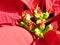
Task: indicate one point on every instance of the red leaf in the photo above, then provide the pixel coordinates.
(51, 38)
(39, 42)
(9, 12)
(55, 24)
(13, 35)
(56, 7)
(31, 3)
(19, 5)
(53, 5)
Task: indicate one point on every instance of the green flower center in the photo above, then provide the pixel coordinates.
(38, 26)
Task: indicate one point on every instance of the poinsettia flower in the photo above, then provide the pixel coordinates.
(10, 10)
(52, 6)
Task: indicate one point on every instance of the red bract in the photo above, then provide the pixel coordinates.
(9, 11)
(57, 21)
(14, 35)
(31, 3)
(39, 42)
(52, 38)
(53, 6)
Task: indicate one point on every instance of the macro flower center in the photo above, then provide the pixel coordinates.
(36, 23)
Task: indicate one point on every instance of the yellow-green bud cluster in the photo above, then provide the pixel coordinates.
(38, 27)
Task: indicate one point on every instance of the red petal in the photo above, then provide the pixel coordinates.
(13, 35)
(53, 5)
(31, 3)
(39, 42)
(9, 12)
(49, 4)
(19, 5)
(51, 38)
(55, 24)
(56, 7)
